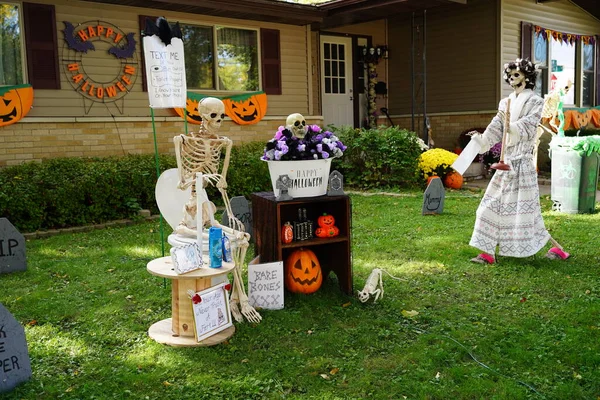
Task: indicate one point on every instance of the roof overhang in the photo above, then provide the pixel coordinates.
(257, 10)
(591, 6)
(349, 12)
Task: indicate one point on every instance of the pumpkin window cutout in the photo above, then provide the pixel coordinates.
(191, 109)
(303, 272)
(16, 103)
(246, 109)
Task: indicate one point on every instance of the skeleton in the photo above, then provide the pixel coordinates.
(374, 285)
(297, 124)
(201, 153)
(550, 112)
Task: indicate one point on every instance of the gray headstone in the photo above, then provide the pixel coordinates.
(12, 249)
(433, 198)
(241, 210)
(336, 184)
(14, 357)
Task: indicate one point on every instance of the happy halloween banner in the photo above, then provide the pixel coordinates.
(243, 109)
(570, 38)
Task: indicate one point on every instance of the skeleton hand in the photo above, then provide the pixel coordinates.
(482, 142)
(502, 115)
(222, 184)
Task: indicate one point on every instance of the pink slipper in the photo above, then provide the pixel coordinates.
(483, 258)
(555, 253)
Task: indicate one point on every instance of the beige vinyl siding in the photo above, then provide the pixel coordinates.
(69, 103)
(460, 55)
(562, 16)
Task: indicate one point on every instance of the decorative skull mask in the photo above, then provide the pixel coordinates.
(297, 124)
(516, 78)
(212, 111)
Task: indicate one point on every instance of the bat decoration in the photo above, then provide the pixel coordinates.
(73, 41)
(163, 30)
(124, 52)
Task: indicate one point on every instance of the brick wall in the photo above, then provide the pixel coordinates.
(34, 141)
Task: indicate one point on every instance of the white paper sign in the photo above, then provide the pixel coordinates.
(211, 311)
(265, 284)
(466, 157)
(186, 258)
(165, 72)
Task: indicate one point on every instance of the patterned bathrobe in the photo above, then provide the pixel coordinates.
(509, 215)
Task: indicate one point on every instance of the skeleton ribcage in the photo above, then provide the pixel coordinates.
(201, 155)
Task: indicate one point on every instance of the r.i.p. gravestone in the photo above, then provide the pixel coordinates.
(14, 357)
(12, 248)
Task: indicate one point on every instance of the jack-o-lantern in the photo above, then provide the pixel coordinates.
(246, 109)
(326, 226)
(15, 103)
(303, 272)
(191, 108)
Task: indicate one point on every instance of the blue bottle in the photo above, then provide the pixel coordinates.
(215, 247)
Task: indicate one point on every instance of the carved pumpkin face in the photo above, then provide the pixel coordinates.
(326, 221)
(15, 103)
(246, 111)
(191, 106)
(303, 272)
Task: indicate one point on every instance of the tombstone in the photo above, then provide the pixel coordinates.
(15, 367)
(283, 183)
(241, 210)
(12, 248)
(433, 198)
(336, 184)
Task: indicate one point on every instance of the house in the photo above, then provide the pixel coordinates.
(433, 65)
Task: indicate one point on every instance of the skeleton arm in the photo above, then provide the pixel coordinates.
(223, 181)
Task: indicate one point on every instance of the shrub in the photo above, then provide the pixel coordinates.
(436, 162)
(379, 158)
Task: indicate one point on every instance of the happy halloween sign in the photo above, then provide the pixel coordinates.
(99, 60)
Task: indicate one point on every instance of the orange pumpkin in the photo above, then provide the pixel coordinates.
(303, 272)
(246, 109)
(453, 180)
(15, 103)
(327, 232)
(326, 220)
(287, 233)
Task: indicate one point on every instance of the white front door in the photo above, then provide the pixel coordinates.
(336, 80)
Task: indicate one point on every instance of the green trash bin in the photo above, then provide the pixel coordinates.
(574, 178)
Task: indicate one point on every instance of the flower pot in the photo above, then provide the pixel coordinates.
(308, 177)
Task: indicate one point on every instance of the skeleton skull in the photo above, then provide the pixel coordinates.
(516, 78)
(297, 124)
(212, 111)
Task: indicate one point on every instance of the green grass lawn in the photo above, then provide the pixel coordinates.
(522, 329)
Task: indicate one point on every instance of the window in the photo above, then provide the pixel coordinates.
(561, 57)
(11, 61)
(221, 58)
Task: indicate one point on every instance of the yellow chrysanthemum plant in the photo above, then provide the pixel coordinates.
(436, 162)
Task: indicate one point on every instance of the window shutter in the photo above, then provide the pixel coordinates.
(271, 61)
(142, 21)
(598, 70)
(526, 40)
(41, 46)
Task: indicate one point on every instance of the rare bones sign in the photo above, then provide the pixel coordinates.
(100, 62)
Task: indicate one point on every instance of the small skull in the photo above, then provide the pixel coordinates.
(212, 111)
(297, 124)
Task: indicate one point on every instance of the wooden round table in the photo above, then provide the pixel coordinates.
(179, 329)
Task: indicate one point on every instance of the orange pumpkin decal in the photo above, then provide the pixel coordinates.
(453, 180)
(191, 108)
(303, 272)
(326, 220)
(15, 103)
(246, 109)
